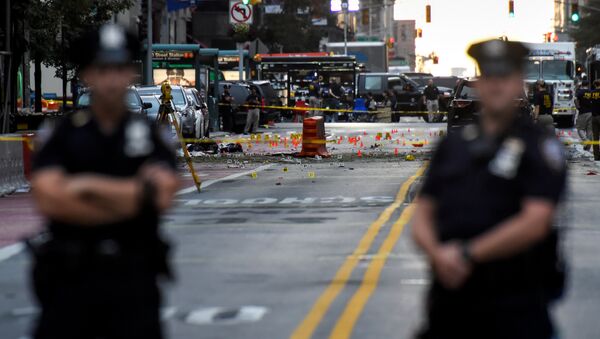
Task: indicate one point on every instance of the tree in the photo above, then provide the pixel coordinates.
(54, 24)
(585, 32)
(292, 30)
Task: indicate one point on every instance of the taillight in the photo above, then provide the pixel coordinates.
(462, 103)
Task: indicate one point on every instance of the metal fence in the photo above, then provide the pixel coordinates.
(12, 175)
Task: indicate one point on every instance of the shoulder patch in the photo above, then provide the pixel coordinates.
(80, 118)
(553, 153)
(470, 132)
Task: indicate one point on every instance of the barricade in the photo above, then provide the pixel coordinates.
(313, 138)
(12, 174)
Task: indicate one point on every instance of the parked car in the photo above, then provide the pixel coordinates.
(202, 116)
(184, 108)
(464, 108)
(155, 102)
(133, 101)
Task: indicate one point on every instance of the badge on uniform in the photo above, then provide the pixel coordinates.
(138, 141)
(508, 158)
(553, 154)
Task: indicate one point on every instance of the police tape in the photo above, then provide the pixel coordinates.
(334, 110)
(294, 140)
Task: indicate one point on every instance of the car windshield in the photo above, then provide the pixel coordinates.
(177, 94)
(131, 100)
(467, 91)
(448, 82)
(84, 100)
(422, 81)
(532, 69)
(556, 70)
(268, 91)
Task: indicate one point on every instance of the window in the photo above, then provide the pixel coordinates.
(373, 83)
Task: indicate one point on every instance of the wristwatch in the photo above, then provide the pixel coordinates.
(466, 252)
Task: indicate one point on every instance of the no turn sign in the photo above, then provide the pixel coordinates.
(239, 13)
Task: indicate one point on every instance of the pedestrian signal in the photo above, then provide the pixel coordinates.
(511, 8)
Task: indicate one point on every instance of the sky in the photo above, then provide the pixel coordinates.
(455, 24)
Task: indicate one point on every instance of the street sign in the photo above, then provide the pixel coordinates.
(239, 13)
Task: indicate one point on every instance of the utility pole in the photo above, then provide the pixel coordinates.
(345, 11)
(241, 60)
(149, 80)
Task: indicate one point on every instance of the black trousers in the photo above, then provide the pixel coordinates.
(96, 303)
(515, 317)
(596, 133)
(227, 118)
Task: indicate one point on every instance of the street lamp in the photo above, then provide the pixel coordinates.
(345, 6)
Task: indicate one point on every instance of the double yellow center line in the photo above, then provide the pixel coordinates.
(345, 323)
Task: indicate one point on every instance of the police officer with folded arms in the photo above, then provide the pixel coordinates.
(101, 179)
(484, 215)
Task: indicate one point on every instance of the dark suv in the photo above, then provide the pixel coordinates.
(464, 108)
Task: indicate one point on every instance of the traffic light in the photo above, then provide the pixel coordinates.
(435, 59)
(511, 8)
(428, 13)
(418, 33)
(390, 42)
(575, 12)
(365, 16)
(548, 37)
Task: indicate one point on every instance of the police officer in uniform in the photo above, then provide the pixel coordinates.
(544, 104)
(594, 101)
(226, 110)
(584, 116)
(102, 178)
(485, 212)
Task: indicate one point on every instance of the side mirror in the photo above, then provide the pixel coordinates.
(146, 105)
(569, 69)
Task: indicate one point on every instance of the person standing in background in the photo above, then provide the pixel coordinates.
(584, 116)
(431, 97)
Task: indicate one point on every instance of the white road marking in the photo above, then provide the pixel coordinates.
(210, 315)
(285, 201)
(229, 177)
(11, 250)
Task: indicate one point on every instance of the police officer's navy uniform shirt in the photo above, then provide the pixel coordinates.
(594, 100)
(544, 100)
(431, 92)
(477, 184)
(77, 145)
(583, 98)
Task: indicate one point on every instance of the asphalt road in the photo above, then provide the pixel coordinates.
(321, 248)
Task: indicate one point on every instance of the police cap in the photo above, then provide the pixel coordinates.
(498, 57)
(110, 44)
